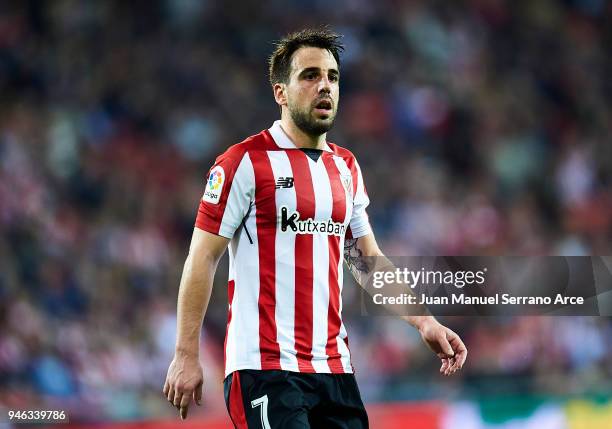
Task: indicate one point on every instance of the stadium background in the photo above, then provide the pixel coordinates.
(482, 126)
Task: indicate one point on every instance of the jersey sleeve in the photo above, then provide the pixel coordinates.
(359, 224)
(228, 193)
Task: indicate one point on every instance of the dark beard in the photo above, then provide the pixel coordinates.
(304, 122)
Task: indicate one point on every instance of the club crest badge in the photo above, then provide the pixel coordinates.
(347, 182)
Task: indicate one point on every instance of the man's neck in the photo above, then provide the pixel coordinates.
(299, 138)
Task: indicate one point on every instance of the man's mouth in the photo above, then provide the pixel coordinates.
(324, 106)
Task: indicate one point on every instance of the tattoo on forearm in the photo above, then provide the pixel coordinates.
(354, 259)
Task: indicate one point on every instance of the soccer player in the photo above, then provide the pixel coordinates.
(287, 202)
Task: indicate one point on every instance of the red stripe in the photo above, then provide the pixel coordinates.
(236, 405)
(230, 300)
(333, 311)
(305, 205)
(350, 162)
(265, 206)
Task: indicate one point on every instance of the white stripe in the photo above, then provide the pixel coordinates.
(344, 170)
(342, 335)
(320, 266)
(360, 224)
(285, 268)
(230, 341)
(242, 348)
(343, 350)
(241, 193)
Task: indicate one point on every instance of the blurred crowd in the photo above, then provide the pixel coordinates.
(482, 127)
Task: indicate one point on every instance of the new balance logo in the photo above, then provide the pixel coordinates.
(284, 182)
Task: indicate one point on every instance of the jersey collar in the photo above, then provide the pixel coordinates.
(282, 140)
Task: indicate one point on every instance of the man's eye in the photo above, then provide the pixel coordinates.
(310, 76)
(333, 78)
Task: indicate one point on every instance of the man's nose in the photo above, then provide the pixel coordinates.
(324, 85)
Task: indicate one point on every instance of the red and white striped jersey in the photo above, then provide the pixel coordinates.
(287, 217)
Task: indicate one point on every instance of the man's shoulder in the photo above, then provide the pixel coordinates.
(259, 141)
(342, 152)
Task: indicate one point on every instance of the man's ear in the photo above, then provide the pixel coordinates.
(280, 93)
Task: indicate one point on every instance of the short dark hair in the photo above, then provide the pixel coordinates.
(280, 60)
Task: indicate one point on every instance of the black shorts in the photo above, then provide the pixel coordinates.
(288, 400)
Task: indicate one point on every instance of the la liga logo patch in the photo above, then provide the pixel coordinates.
(214, 185)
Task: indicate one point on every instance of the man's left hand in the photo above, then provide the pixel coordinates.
(445, 344)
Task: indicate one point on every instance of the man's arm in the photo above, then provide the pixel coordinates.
(185, 377)
(363, 257)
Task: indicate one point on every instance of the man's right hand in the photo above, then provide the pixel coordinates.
(184, 382)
